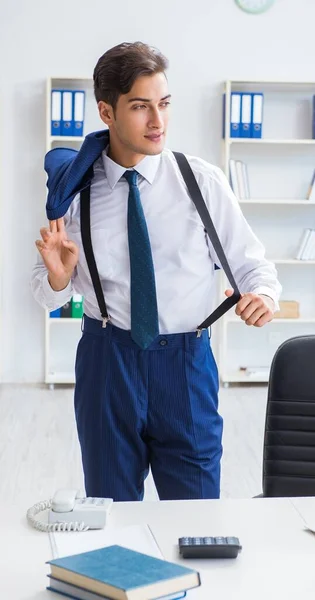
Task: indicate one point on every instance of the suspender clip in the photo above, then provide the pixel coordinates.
(105, 321)
(199, 332)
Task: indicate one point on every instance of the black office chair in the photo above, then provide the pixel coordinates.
(289, 443)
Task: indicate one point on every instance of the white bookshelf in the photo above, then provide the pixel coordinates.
(275, 201)
(62, 334)
(280, 167)
(249, 141)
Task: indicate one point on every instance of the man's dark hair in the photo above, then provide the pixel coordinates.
(117, 70)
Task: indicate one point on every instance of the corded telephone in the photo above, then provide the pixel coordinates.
(70, 510)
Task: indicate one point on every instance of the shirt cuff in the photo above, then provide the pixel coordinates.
(51, 295)
(266, 291)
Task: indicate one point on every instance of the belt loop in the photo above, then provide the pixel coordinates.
(82, 324)
(108, 331)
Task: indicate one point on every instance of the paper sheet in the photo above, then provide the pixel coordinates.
(135, 537)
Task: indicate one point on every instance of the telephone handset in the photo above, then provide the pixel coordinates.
(70, 510)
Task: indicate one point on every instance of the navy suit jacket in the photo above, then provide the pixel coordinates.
(70, 171)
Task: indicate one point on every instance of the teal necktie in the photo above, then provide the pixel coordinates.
(144, 313)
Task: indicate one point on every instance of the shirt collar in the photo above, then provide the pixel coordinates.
(147, 167)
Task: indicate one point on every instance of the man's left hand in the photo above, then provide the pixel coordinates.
(254, 309)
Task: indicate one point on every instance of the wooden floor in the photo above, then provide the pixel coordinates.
(39, 451)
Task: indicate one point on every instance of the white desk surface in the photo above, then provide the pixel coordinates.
(277, 561)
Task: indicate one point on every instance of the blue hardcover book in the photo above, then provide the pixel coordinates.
(55, 111)
(77, 593)
(246, 115)
(257, 115)
(123, 574)
(78, 113)
(67, 113)
(55, 314)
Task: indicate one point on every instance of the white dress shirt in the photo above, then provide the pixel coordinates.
(183, 256)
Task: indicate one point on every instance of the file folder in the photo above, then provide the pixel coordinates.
(66, 311)
(55, 112)
(235, 115)
(78, 111)
(77, 306)
(66, 113)
(246, 115)
(257, 115)
(55, 314)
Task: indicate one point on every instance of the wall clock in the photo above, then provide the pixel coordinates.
(254, 6)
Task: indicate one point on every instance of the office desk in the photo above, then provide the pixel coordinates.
(277, 561)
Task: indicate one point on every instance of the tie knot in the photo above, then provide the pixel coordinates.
(131, 176)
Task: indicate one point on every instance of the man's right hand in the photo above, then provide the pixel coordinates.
(59, 254)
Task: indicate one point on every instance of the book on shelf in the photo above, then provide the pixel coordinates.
(255, 371)
(119, 573)
(246, 181)
(306, 249)
(233, 178)
(239, 179)
(289, 309)
(311, 189)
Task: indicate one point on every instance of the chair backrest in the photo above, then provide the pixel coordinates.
(289, 444)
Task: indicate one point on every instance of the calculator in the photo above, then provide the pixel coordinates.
(209, 547)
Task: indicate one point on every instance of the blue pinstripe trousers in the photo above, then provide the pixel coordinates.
(139, 408)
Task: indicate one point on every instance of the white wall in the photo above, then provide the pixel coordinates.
(206, 41)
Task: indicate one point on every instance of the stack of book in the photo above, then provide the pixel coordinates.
(118, 573)
(72, 309)
(239, 179)
(306, 249)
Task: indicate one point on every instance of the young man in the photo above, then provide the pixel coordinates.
(146, 385)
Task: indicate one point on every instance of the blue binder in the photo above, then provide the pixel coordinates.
(257, 115)
(67, 113)
(235, 115)
(246, 115)
(55, 314)
(55, 112)
(78, 112)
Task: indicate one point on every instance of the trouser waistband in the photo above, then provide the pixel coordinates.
(163, 341)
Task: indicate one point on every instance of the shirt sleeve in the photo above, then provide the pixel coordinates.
(244, 251)
(42, 290)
